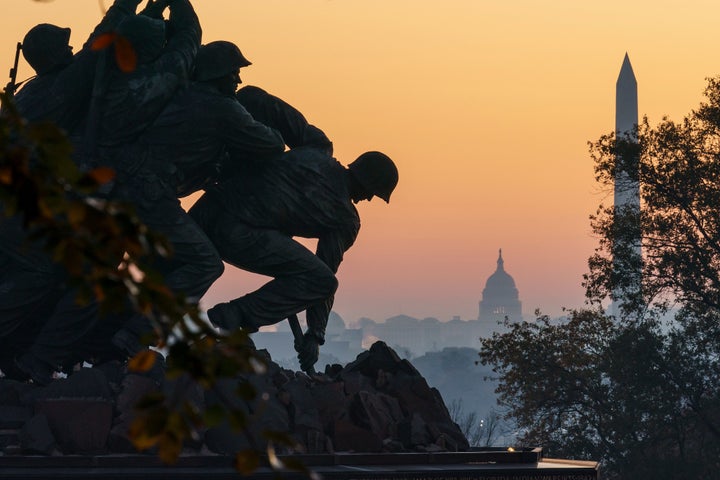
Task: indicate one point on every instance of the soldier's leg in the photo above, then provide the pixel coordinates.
(301, 278)
(54, 345)
(30, 286)
(27, 299)
(194, 264)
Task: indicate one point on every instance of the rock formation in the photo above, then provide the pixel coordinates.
(377, 403)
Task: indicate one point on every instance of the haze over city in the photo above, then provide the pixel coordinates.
(486, 107)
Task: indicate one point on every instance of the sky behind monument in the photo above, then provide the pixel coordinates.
(486, 107)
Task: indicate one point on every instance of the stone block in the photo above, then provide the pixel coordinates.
(348, 437)
(413, 432)
(416, 396)
(330, 401)
(12, 416)
(222, 439)
(8, 438)
(355, 382)
(13, 392)
(381, 357)
(306, 410)
(133, 388)
(85, 383)
(36, 437)
(376, 412)
(79, 425)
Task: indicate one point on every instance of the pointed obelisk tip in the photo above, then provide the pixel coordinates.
(626, 71)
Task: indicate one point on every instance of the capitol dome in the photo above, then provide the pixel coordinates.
(500, 296)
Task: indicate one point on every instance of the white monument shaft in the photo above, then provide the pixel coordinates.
(627, 192)
(627, 189)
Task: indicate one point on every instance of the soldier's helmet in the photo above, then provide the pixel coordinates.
(145, 34)
(217, 59)
(44, 47)
(376, 172)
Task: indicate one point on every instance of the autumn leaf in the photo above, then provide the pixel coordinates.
(142, 362)
(6, 175)
(141, 439)
(102, 175)
(103, 41)
(125, 55)
(246, 462)
(214, 414)
(99, 292)
(76, 213)
(169, 448)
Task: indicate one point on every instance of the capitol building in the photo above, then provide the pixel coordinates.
(500, 297)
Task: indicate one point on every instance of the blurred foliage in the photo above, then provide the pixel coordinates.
(639, 390)
(106, 252)
(125, 56)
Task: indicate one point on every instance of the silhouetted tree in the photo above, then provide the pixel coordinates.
(479, 431)
(633, 396)
(679, 169)
(638, 392)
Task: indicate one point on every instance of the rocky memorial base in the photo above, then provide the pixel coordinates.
(378, 403)
(376, 417)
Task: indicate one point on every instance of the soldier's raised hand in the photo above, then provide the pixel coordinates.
(154, 8)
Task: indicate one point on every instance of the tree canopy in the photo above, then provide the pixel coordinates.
(637, 391)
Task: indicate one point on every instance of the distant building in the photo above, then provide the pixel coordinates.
(500, 297)
(410, 337)
(341, 343)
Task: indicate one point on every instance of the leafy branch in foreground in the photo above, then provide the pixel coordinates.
(107, 252)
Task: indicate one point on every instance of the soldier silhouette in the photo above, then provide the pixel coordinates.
(252, 216)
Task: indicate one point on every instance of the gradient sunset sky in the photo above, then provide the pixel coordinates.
(486, 107)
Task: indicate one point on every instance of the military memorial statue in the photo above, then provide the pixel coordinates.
(172, 125)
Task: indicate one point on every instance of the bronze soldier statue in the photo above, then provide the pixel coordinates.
(31, 284)
(201, 128)
(123, 105)
(252, 215)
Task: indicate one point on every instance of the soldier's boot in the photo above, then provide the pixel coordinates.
(11, 371)
(129, 339)
(35, 369)
(128, 342)
(227, 316)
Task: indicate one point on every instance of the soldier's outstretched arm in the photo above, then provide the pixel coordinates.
(280, 115)
(245, 137)
(330, 249)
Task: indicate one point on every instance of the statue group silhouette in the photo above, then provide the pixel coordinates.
(169, 120)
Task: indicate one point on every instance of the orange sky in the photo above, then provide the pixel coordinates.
(486, 107)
